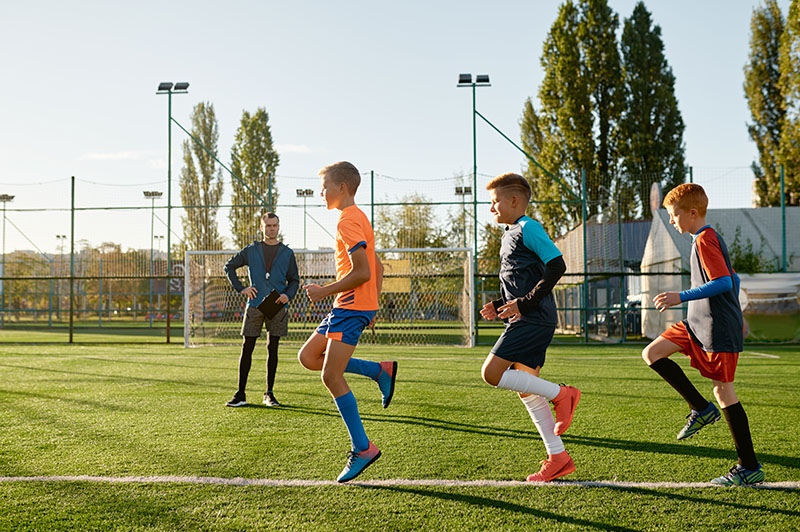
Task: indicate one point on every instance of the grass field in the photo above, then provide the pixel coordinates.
(157, 411)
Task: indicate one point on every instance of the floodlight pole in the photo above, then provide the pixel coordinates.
(5, 198)
(166, 88)
(305, 194)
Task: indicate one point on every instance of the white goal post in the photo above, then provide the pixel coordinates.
(428, 297)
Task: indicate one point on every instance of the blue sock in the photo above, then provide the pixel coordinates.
(349, 411)
(366, 368)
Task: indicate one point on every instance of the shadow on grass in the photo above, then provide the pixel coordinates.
(675, 449)
(100, 405)
(705, 500)
(487, 503)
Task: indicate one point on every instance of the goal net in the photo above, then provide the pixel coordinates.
(428, 298)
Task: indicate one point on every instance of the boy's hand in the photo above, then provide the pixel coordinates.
(283, 298)
(315, 292)
(488, 312)
(667, 299)
(509, 311)
(250, 292)
(372, 322)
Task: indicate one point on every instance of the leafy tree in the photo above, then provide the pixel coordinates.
(651, 128)
(254, 159)
(561, 135)
(762, 88)
(602, 69)
(201, 181)
(411, 225)
(790, 90)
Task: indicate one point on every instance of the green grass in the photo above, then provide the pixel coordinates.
(158, 410)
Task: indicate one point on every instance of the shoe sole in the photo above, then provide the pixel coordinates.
(567, 424)
(234, 405)
(362, 469)
(692, 435)
(391, 387)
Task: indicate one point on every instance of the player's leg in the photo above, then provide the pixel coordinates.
(383, 373)
(558, 462)
(312, 355)
(363, 451)
(272, 368)
(245, 362)
(656, 355)
(747, 471)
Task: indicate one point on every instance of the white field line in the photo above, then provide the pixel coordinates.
(760, 355)
(299, 483)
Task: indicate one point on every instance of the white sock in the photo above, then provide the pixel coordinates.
(524, 382)
(540, 413)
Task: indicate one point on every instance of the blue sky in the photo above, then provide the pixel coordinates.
(370, 82)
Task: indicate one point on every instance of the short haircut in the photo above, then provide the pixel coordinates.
(343, 172)
(513, 183)
(269, 215)
(688, 196)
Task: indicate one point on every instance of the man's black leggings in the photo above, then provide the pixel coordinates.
(246, 360)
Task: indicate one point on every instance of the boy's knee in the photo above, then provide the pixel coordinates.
(489, 376)
(648, 356)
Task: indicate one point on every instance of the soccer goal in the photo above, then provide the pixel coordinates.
(428, 298)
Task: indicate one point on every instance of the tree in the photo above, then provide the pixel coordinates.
(651, 128)
(411, 225)
(255, 160)
(561, 136)
(762, 88)
(601, 63)
(201, 182)
(790, 91)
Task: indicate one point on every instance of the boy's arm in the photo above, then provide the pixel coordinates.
(552, 273)
(358, 275)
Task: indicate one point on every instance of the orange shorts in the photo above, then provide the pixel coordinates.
(716, 366)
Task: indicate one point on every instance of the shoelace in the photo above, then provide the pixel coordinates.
(351, 458)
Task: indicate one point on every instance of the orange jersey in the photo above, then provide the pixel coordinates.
(353, 231)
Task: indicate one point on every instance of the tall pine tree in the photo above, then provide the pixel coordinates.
(651, 127)
(762, 88)
(255, 160)
(201, 182)
(790, 90)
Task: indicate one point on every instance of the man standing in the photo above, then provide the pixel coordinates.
(272, 266)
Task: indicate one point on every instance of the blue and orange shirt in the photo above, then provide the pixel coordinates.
(354, 231)
(715, 323)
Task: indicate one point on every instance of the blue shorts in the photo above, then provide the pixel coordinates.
(524, 342)
(345, 325)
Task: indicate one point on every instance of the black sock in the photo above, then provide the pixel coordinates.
(246, 360)
(740, 430)
(272, 360)
(674, 375)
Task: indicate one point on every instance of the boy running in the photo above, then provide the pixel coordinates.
(359, 275)
(530, 266)
(711, 335)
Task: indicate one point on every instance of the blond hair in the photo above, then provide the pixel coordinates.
(343, 172)
(688, 196)
(511, 183)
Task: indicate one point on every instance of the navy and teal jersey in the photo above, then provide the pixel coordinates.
(715, 323)
(524, 252)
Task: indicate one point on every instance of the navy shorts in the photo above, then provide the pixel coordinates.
(524, 342)
(345, 325)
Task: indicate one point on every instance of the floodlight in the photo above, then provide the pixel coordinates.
(165, 86)
(181, 86)
(6, 197)
(152, 194)
(464, 79)
(482, 78)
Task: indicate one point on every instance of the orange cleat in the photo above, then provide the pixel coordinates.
(565, 403)
(556, 465)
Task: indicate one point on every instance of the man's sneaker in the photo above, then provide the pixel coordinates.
(739, 476)
(565, 403)
(358, 462)
(270, 400)
(698, 420)
(386, 380)
(556, 465)
(238, 400)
